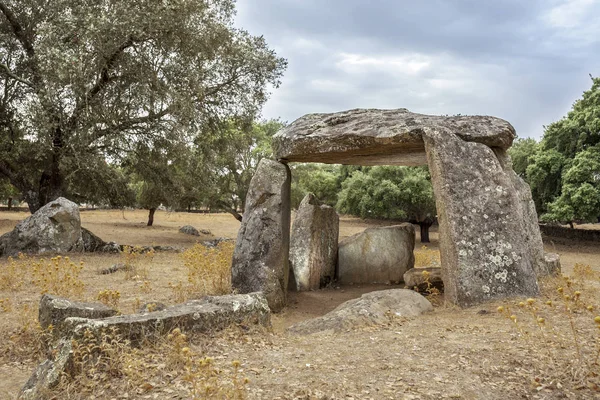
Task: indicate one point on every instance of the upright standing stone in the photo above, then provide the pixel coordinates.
(484, 244)
(260, 259)
(314, 244)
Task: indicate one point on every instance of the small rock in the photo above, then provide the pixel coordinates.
(189, 230)
(416, 280)
(152, 306)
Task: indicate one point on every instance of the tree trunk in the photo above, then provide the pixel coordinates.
(10, 203)
(425, 231)
(232, 211)
(189, 208)
(151, 216)
(571, 225)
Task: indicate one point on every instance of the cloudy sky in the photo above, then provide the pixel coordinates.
(522, 60)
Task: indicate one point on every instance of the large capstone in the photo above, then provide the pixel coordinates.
(489, 238)
(314, 244)
(377, 255)
(260, 259)
(54, 228)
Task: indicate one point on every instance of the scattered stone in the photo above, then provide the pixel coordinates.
(377, 255)
(375, 308)
(48, 374)
(54, 310)
(113, 268)
(205, 232)
(189, 230)
(314, 244)
(91, 242)
(215, 242)
(552, 263)
(414, 279)
(260, 259)
(209, 314)
(54, 228)
(152, 306)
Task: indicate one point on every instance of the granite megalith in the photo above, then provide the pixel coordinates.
(377, 255)
(260, 259)
(314, 244)
(490, 242)
(56, 228)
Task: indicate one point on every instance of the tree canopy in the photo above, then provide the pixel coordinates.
(84, 83)
(563, 170)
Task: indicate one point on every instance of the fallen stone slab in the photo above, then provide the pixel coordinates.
(377, 255)
(48, 374)
(417, 278)
(373, 308)
(55, 310)
(209, 314)
(189, 230)
(314, 244)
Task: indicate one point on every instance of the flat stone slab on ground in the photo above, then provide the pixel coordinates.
(375, 308)
(210, 313)
(55, 310)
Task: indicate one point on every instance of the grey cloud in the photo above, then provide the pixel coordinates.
(525, 61)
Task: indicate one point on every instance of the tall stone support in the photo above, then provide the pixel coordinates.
(485, 244)
(260, 259)
(314, 244)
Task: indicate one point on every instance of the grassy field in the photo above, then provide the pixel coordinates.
(453, 353)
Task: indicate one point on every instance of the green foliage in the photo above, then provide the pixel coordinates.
(544, 175)
(521, 153)
(388, 192)
(324, 181)
(86, 82)
(230, 158)
(580, 197)
(563, 173)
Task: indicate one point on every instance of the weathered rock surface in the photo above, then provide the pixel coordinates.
(314, 244)
(56, 227)
(54, 310)
(375, 308)
(377, 255)
(189, 230)
(552, 261)
(380, 137)
(260, 259)
(48, 374)
(489, 239)
(209, 314)
(486, 250)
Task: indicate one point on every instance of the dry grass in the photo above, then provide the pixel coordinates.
(450, 352)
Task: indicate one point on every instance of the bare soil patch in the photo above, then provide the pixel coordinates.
(451, 353)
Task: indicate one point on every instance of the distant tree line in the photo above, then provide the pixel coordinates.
(563, 168)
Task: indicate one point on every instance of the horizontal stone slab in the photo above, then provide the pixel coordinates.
(380, 137)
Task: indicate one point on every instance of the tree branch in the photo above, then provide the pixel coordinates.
(18, 30)
(10, 74)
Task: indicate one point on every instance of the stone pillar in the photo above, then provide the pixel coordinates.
(260, 259)
(486, 251)
(314, 244)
